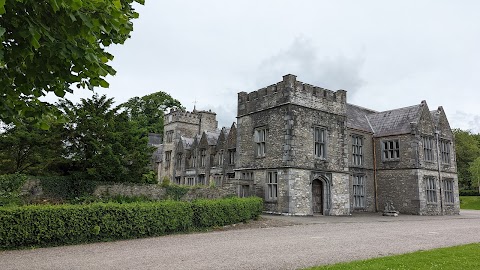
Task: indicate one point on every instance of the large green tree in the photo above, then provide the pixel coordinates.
(474, 170)
(148, 111)
(467, 150)
(24, 148)
(102, 143)
(50, 45)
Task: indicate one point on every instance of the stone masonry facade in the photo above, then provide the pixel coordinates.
(306, 151)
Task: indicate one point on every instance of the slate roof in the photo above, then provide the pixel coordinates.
(154, 139)
(356, 117)
(394, 122)
(187, 142)
(212, 137)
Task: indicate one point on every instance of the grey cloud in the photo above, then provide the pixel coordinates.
(302, 59)
(465, 121)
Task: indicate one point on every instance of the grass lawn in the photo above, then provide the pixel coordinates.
(459, 257)
(470, 202)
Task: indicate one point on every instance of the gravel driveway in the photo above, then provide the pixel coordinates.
(280, 243)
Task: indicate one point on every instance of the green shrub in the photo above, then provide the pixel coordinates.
(10, 186)
(37, 225)
(211, 213)
(466, 192)
(165, 181)
(149, 178)
(176, 192)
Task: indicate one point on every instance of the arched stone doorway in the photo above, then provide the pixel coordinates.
(318, 196)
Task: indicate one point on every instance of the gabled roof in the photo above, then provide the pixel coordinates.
(394, 122)
(212, 137)
(435, 116)
(356, 118)
(187, 142)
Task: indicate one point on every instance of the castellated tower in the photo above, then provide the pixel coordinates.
(182, 123)
(283, 131)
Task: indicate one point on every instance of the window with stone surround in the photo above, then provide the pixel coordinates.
(320, 138)
(390, 150)
(218, 180)
(272, 186)
(231, 156)
(203, 157)
(428, 148)
(448, 190)
(168, 157)
(201, 179)
(244, 191)
(246, 175)
(178, 180)
(220, 158)
(169, 136)
(359, 191)
(445, 151)
(260, 139)
(431, 189)
(194, 158)
(179, 161)
(190, 181)
(357, 150)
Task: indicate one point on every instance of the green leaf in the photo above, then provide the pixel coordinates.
(59, 92)
(2, 30)
(76, 4)
(104, 83)
(44, 125)
(117, 4)
(34, 41)
(55, 5)
(2, 7)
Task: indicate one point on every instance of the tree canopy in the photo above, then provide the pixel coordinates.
(148, 111)
(48, 46)
(467, 146)
(24, 148)
(102, 144)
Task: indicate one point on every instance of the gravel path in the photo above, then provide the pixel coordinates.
(273, 242)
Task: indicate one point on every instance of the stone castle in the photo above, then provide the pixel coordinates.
(306, 151)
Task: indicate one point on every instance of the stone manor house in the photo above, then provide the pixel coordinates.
(305, 151)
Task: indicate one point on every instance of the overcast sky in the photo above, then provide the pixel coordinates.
(385, 54)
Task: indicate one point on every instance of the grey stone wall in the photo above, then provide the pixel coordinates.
(158, 193)
(208, 121)
(400, 187)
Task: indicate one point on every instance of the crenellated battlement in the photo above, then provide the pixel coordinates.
(289, 90)
(182, 116)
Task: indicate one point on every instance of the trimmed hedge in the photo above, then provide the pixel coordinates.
(70, 224)
(210, 213)
(467, 192)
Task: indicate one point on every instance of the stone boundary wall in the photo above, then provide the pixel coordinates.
(34, 191)
(159, 193)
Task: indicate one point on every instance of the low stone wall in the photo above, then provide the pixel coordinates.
(158, 193)
(32, 190)
(150, 191)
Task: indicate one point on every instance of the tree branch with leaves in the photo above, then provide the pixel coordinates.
(48, 46)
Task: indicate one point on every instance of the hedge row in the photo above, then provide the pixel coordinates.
(466, 192)
(70, 224)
